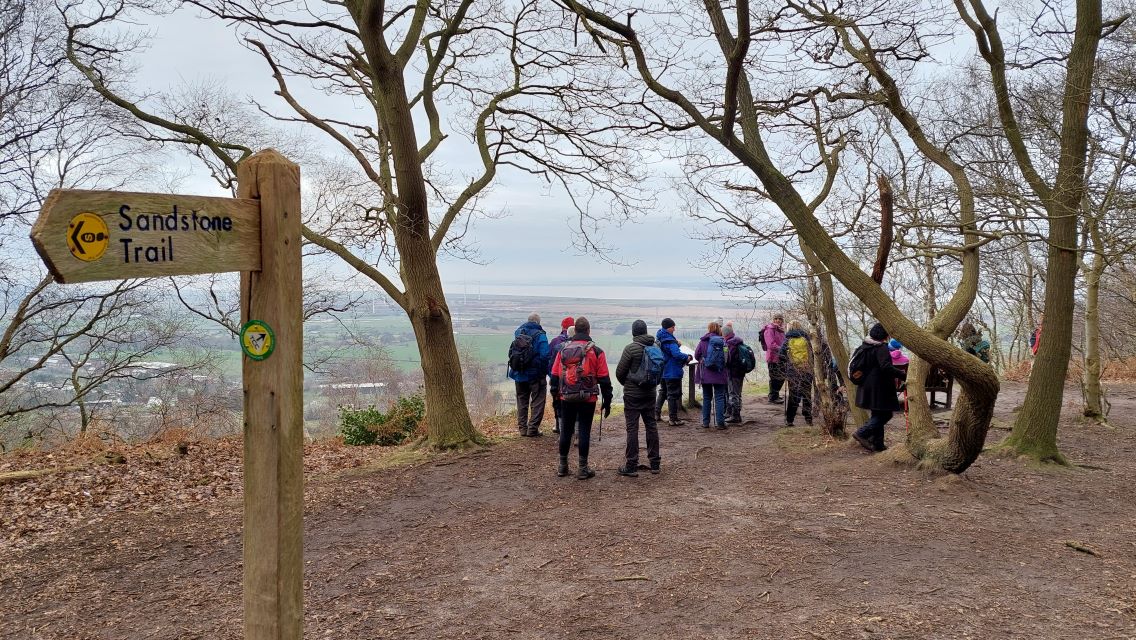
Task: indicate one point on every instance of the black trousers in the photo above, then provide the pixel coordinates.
(576, 416)
(634, 409)
(670, 393)
(873, 429)
(776, 379)
(800, 394)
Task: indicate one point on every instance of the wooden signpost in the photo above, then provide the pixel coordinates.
(86, 236)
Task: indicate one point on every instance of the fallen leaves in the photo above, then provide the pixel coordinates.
(53, 492)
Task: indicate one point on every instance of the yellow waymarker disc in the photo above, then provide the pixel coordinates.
(257, 339)
(87, 237)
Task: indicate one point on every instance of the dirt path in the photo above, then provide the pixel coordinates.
(743, 535)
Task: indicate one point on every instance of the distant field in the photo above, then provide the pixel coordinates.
(484, 328)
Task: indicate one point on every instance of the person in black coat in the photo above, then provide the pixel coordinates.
(638, 402)
(877, 390)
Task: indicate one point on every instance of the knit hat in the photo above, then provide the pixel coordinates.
(638, 328)
(895, 345)
(567, 322)
(878, 332)
(668, 323)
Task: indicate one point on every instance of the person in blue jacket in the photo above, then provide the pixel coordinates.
(531, 381)
(670, 389)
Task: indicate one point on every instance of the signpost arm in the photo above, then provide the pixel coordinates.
(273, 407)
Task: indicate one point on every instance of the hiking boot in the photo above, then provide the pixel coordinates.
(776, 400)
(676, 422)
(655, 467)
(629, 470)
(584, 472)
(788, 423)
(809, 421)
(556, 429)
(734, 421)
(881, 448)
(864, 442)
(534, 432)
(706, 425)
(562, 466)
(720, 427)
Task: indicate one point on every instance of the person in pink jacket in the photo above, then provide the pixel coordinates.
(771, 338)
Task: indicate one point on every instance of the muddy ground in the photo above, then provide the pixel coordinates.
(747, 533)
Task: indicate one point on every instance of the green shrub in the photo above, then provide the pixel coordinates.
(370, 426)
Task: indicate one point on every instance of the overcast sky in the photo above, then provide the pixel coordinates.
(529, 248)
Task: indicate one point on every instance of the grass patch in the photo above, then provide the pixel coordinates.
(804, 440)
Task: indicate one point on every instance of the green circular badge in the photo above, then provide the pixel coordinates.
(257, 339)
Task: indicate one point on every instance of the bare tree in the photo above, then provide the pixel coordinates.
(1035, 430)
(523, 110)
(726, 114)
(52, 134)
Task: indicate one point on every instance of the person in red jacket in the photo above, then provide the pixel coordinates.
(1035, 337)
(580, 377)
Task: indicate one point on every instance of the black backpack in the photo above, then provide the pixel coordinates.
(741, 359)
(521, 353)
(861, 363)
(761, 339)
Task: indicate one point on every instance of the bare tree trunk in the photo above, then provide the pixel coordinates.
(827, 304)
(84, 415)
(448, 423)
(1035, 431)
(832, 420)
(1091, 388)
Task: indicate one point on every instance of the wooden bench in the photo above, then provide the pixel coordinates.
(939, 381)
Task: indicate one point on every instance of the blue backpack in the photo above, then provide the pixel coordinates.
(650, 369)
(715, 358)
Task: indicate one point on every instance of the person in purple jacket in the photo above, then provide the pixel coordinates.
(711, 374)
(554, 347)
(771, 338)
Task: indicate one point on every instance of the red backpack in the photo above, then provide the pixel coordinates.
(578, 365)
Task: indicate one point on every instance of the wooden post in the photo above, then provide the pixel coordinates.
(273, 405)
(691, 399)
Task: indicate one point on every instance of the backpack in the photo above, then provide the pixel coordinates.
(578, 380)
(861, 363)
(521, 353)
(982, 350)
(715, 358)
(554, 349)
(798, 352)
(761, 339)
(650, 369)
(744, 360)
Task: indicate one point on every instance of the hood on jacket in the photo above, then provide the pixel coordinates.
(662, 335)
(897, 358)
(529, 327)
(734, 340)
(644, 340)
(706, 337)
(774, 327)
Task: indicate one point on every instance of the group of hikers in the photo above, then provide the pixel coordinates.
(651, 368)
